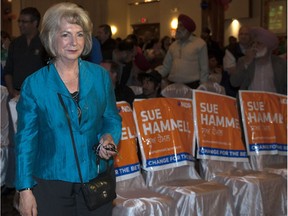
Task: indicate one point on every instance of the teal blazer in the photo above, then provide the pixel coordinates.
(43, 142)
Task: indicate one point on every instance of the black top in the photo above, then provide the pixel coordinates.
(23, 60)
(124, 93)
(107, 48)
(235, 51)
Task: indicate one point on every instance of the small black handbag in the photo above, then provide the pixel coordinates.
(100, 190)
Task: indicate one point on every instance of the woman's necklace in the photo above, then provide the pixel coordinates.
(76, 73)
(71, 80)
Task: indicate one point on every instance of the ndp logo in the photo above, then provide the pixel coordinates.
(126, 109)
(283, 100)
(184, 104)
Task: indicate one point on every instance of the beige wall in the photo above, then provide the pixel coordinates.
(122, 15)
(96, 8)
(254, 20)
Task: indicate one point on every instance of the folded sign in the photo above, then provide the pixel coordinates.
(165, 132)
(126, 163)
(264, 118)
(217, 127)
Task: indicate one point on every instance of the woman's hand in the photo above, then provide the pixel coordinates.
(107, 147)
(27, 204)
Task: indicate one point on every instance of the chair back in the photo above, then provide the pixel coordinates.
(126, 163)
(264, 116)
(218, 133)
(166, 138)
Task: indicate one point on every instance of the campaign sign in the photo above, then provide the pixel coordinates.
(165, 132)
(264, 117)
(217, 127)
(126, 163)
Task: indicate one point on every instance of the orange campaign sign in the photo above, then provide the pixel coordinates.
(264, 116)
(217, 127)
(126, 163)
(165, 132)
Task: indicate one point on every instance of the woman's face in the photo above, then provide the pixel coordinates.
(70, 41)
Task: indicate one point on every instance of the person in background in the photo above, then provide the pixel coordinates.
(26, 53)
(259, 69)
(165, 43)
(140, 63)
(134, 38)
(47, 178)
(186, 60)
(212, 45)
(232, 42)
(220, 76)
(151, 84)
(154, 53)
(95, 55)
(122, 92)
(5, 42)
(108, 44)
(234, 52)
(124, 55)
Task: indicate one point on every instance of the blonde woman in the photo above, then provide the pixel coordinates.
(46, 171)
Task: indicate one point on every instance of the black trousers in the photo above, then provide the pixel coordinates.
(59, 198)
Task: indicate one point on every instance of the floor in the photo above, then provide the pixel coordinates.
(7, 208)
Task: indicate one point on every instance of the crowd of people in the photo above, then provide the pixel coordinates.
(63, 57)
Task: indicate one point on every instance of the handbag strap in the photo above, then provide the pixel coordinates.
(72, 137)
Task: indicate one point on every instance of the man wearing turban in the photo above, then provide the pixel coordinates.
(186, 60)
(259, 69)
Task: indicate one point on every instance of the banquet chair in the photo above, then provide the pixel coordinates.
(167, 160)
(253, 192)
(266, 138)
(177, 90)
(271, 163)
(133, 196)
(193, 195)
(4, 134)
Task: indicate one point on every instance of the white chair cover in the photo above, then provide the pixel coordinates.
(266, 138)
(166, 147)
(261, 162)
(12, 106)
(271, 163)
(212, 87)
(177, 90)
(210, 168)
(248, 187)
(133, 198)
(4, 134)
(193, 196)
(137, 89)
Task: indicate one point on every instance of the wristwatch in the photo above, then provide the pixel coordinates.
(24, 189)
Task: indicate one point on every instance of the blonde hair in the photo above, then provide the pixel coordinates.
(73, 14)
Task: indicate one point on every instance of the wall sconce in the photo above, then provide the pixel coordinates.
(173, 27)
(174, 23)
(235, 26)
(114, 29)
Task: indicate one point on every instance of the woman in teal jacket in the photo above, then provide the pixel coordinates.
(46, 171)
